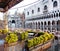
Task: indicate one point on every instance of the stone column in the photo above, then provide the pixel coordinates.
(51, 26)
(56, 25)
(43, 26)
(32, 25)
(15, 23)
(40, 25)
(47, 25)
(36, 25)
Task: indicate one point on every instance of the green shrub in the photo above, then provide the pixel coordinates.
(35, 41)
(11, 38)
(24, 35)
(30, 43)
(38, 40)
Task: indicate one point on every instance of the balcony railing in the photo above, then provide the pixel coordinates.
(42, 16)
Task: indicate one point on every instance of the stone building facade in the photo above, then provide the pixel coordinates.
(44, 15)
(22, 17)
(14, 21)
(2, 24)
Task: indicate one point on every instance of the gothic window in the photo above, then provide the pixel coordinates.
(27, 13)
(43, 0)
(52, 0)
(55, 4)
(56, 14)
(45, 7)
(52, 15)
(58, 10)
(55, 11)
(38, 9)
(13, 21)
(59, 14)
(32, 11)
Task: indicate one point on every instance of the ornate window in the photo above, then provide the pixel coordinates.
(52, 0)
(32, 11)
(59, 14)
(56, 14)
(27, 13)
(58, 10)
(45, 7)
(55, 4)
(38, 9)
(52, 15)
(13, 21)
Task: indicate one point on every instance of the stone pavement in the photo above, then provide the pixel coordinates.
(55, 46)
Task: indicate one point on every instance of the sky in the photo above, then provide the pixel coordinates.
(20, 9)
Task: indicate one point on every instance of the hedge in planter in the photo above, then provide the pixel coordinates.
(4, 31)
(24, 35)
(38, 40)
(30, 43)
(11, 38)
